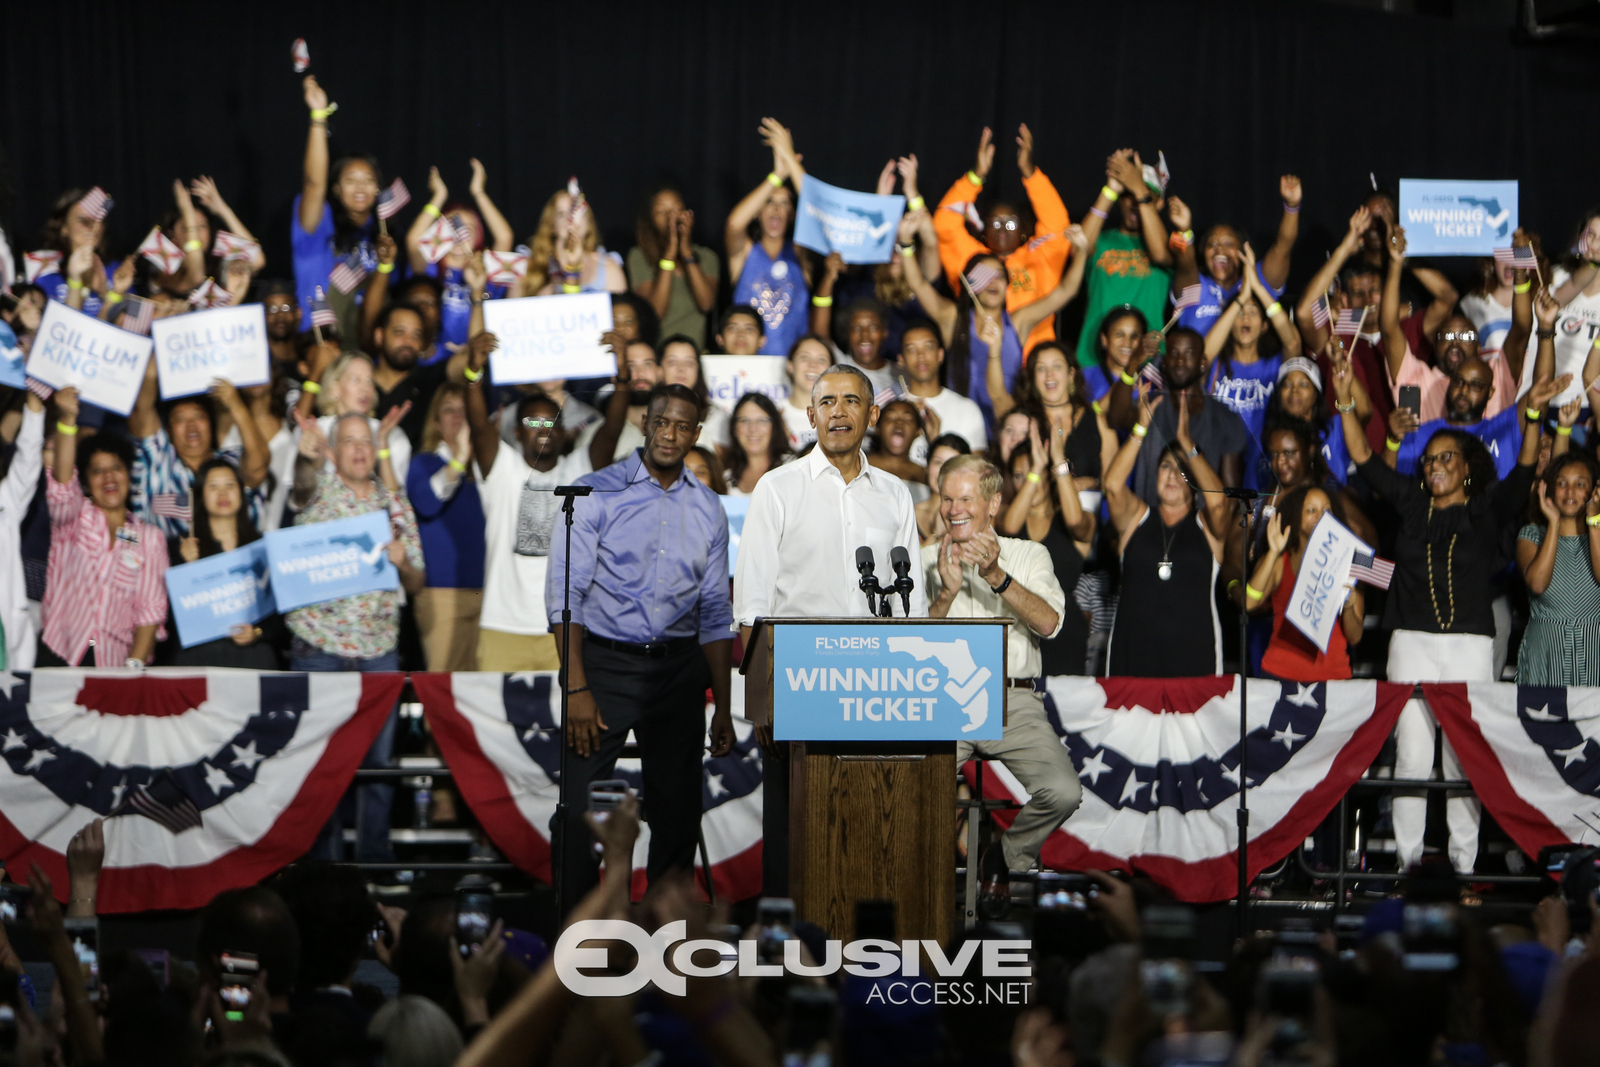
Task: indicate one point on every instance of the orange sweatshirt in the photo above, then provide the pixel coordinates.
(1035, 266)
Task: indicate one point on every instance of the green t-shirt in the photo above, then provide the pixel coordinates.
(683, 315)
(1121, 273)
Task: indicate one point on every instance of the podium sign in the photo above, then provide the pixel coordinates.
(879, 681)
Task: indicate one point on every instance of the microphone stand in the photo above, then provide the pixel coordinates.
(569, 495)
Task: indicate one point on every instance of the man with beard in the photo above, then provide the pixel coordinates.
(1455, 342)
(520, 515)
(622, 429)
(398, 341)
(1471, 388)
(651, 630)
(1216, 430)
(282, 308)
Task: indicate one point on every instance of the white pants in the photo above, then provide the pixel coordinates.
(1423, 657)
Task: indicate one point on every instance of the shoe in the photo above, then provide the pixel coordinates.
(994, 884)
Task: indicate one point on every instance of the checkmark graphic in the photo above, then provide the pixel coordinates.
(372, 556)
(961, 694)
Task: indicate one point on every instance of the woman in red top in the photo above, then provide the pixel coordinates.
(1290, 654)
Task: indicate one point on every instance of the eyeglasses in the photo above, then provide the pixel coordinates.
(1437, 458)
(279, 309)
(1006, 223)
(1468, 383)
(531, 423)
(1459, 335)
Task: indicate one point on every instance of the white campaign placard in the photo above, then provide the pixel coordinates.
(105, 362)
(543, 338)
(193, 349)
(1320, 586)
(728, 378)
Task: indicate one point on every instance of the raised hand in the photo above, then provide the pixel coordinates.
(1149, 347)
(908, 226)
(1147, 405)
(122, 280)
(479, 347)
(832, 267)
(931, 426)
(989, 334)
(985, 156)
(1397, 242)
(907, 166)
(1025, 150)
(475, 186)
(180, 196)
(388, 249)
(67, 404)
(1289, 189)
(1543, 392)
(1182, 433)
(1567, 414)
(205, 191)
(81, 261)
(396, 551)
(436, 186)
(189, 547)
(1359, 222)
(1037, 456)
(1179, 214)
(776, 135)
(950, 565)
(1548, 508)
(1076, 236)
(683, 229)
(390, 421)
(475, 275)
(1125, 167)
(313, 442)
(316, 96)
(1403, 423)
(886, 179)
(226, 394)
(1278, 534)
(461, 447)
(236, 275)
(1546, 309)
(1594, 503)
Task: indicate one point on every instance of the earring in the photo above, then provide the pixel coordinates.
(1469, 480)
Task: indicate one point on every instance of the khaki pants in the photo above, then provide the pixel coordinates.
(500, 651)
(448, 622)
(1032, 751)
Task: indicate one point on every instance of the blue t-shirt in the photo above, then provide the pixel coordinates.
(1098, 381)
(451, 530)
(455, 310)
(314, 257)
(1501, 435)
(55, 287)
(978, 365)
(1213, 298)
(776, 288)
(1334, 452)
(1246, 391)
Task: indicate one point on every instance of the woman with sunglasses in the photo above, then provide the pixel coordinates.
(1455, 526)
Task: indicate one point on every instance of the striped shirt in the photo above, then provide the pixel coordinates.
(99, 590)
(163, 485)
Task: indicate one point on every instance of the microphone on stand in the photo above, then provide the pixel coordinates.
(867, 567)
(900, 560)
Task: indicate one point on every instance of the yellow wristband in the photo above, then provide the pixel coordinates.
(1391, 444)
(311, 387)
(457, 466)
(773, 179)
(471, 375)
(1534, 415)
(70, 431)
(1095, 406)
(1139, 431)
(431, 211)
(972, 176)
(1564, 431)
(1522, 287)
(1127, 379)
(822, 301)
(907, 250)
(1274, 308)
(1592, 520)
(1188, 237)
(572, 288)
(667, 264)
(1109, 193)
(320, 114)
(192, 246)
(113, 297)
(383, 453)
(1250, 590)
(73, 283)
(916, 204)
(1035, 477)
(385, 268)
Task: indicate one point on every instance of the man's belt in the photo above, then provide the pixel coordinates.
(654, 650)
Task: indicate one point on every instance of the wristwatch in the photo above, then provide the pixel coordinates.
(1193, 452)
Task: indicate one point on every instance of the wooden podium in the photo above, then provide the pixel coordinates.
(867, 820)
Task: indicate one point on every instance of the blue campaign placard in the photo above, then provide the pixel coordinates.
(211, 596)
(1457, 218)
(841, 681)
(859, 226)
(736, 507)
(330, 560)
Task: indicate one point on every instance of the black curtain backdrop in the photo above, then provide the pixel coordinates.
(131, 96)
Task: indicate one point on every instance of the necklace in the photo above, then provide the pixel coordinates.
(1449, 577)
(1168, 535)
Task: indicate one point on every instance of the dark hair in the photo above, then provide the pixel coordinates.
(55, 226)
(1276, 414)
(1481, 473)
(1356, 267)
(1547, 480)
(256, 920)
(699, 385)
(802, 339)
(1310, 443)
(1573, 260)
(649, 321)
(1294, 503)
(877, 439)
(1032, 414)
(644, 224)
(270, 287)
(958, 356)
(537, 396)
(1026, 391)
(1268, 344)
(867, 304)
(347, 236)
(1206, 235)
(949, 440)
(201, 526)
(382, 322)
(752, 229)
(921, 322)
(665, 392)
(112, 444)
(1176, 451)
(742, 309)
(1106, 321)
(427, 281)
(777, 444)
(719, 481)
(334, 915)
(202, 401)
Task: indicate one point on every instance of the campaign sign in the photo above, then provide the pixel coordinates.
(543, 338)
(106, 363)
(860, 227)
(841, 681)
(331, 560)
(1321, 586)
(728, 378)
(227, 342)
(736, 508)
(1457, 218)
(12, 371)
(211, 596)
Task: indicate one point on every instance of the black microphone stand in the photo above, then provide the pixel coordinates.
(569, 495)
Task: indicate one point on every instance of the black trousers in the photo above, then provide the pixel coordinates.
(663, 701)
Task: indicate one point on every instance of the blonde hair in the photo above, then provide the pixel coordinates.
(327, 402)
(431, 435)
(542, 245)
(988, 474)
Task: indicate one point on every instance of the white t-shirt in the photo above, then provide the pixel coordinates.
(631, 438)
(513, 582)
(798, 425)
(885, 377)
(957, 415)
(1576, 328)
(1490, 318)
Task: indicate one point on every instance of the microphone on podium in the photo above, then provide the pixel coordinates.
(900, 560)
(867, 566)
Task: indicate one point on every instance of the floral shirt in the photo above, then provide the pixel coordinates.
(366, 625)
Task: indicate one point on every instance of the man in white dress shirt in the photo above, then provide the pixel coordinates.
(798, 549)
(974, 573)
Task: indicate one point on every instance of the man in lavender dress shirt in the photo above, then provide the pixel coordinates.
(651, 621)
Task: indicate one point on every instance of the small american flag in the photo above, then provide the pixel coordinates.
(137, 314)
(321, 313)
(300, 54)
(392, 199)
(35, 264)
(1319, 313)
(1189, 297)
(172, 506)
(981, 277)
(163, 255)
(227, 245)
(163, 800)
(1519, 257)
(1151, 372)
(1350, 321)
(347, 274)
(1374, 570)
(208, 294)
(39, 389)
(505, 268)
(97, 203)
(884, 396)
